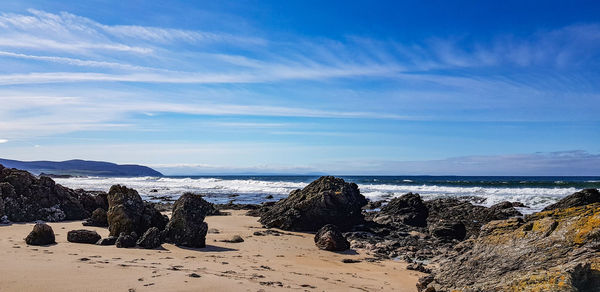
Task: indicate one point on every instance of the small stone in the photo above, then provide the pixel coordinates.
(83, 236)
(41, 234)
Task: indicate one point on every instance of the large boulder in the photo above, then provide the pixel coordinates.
(407, 209)
(41, 234)
(128, 213)
(187, 226)
(557, 250)
(27, 198)
(150, 239)
(330, 238)
(83, 236)
(581, 198)
(327, 200)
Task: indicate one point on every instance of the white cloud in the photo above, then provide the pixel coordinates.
(3, 141)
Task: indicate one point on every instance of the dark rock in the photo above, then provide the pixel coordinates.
(98, 219)
(126, 240)
(327, 200)
(473, 217)
(448, 230)
(125, 209)
(350, 261)
(581, 198)
(234, 239)
(27, 198)
(128, 213)
(408, 209)
(150, 239)
(418, 267)
(330, 238)
(187, 226)
(41, 234)
(111, 240)
(83, 236)
(269, 197)
(546, 251)
(194, 275)
(373, 205)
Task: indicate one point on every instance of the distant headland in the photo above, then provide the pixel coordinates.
(79, 167)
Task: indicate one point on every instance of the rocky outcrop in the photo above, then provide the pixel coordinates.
(83, 236)
(451, 210)
(150, 239)
(98, 219)
(27, 198)
(187, 226)
(327, 200)
(42, 234)
(581, 198)
(128, 213)
(407, 209)
(330, 238)
(556, 250)
(448, 231)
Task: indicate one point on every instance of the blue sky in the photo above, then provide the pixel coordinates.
(344, 87)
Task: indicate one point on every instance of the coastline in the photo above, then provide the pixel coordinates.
(260, 263)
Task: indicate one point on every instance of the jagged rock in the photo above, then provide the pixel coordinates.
(27, 198)
(448, 230)
(128, 213)
(187, 226)
(472, 216)
(556, 250)
(98, 219)
(83, 236)
(581, 198)
(150, 239)
(408, 209)
(327, 200)
(330, 238)
(111, 240)
(126, 240)
(41, 234)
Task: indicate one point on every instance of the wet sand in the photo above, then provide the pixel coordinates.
(261, 263)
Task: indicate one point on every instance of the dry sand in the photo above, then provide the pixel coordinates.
(260, 263)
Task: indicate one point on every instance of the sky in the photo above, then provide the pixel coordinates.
(340, 87)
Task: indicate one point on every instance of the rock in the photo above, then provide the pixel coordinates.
(556, 250)
(98, 219)
(373, 205)
(111, 240)
(125, 209)
(269, 197)
(581, 198)
(150, 239)
(459, 211)
(23, 197)
(128, 213)
(418, 267)
(41, 234)
(187, 226)
(126, 240)
(327, 200)
(448, 230)
(83, 236)
(330, 238)
(408, 209)
(350, 261)
(234, 239)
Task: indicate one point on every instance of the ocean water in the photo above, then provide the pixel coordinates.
(535, 192)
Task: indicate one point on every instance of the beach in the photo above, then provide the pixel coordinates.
(290, 261)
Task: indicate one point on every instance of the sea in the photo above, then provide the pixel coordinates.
(534, 192)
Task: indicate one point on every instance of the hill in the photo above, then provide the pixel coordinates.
(81, 167)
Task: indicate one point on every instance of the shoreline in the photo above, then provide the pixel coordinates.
(260, 263)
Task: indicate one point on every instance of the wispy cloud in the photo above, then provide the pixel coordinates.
(3, 141)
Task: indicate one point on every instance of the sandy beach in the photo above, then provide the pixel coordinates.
(260, 263)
